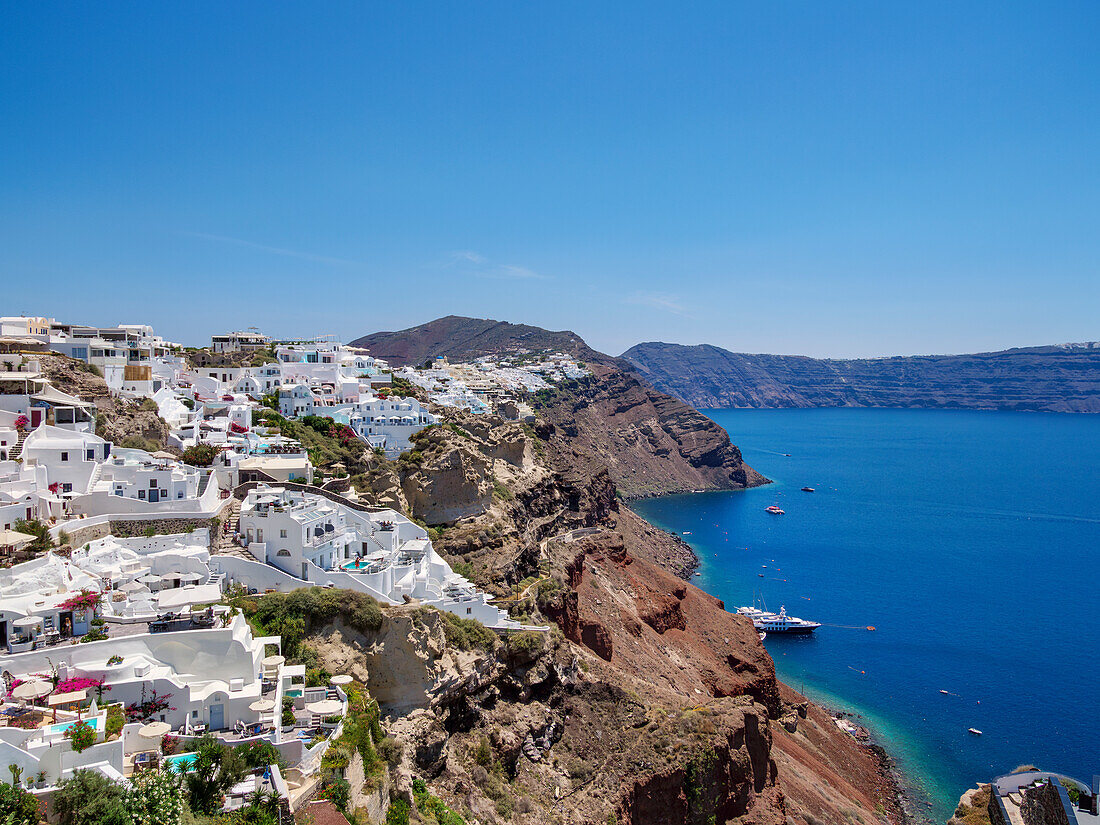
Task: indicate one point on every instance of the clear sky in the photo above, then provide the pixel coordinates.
(824, 177)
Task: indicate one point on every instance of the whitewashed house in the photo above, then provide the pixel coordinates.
(295, 400)
(394, 420)
(70, 458)
(297, 537)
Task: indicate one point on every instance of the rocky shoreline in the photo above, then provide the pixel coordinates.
(907, 807)
(681, 560)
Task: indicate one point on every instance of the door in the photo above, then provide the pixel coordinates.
(217, 717)
(154, 496)
(36, 418)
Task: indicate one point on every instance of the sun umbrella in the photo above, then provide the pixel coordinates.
(162, 454)
(341, 679)
(13, 538)
(190, 577)
(34, 689)
(150, 578)
(154, 730)
(326, 707)
(262, 705)
(27, 621)
(273, 661)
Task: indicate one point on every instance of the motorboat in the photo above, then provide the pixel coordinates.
(775, 510)
(779, 622)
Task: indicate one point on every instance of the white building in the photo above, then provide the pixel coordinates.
(70, 458)
(295, 400)
(393, 420)
(297, 537)
(239, 342)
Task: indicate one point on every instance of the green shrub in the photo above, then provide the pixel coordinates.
(397, 813)
(525, 645)
(116, 718)
(468, 634)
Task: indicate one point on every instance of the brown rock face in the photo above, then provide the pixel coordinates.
(650, 443)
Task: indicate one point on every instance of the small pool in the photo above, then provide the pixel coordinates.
(96, 722)
(294, 693)
(180, 762)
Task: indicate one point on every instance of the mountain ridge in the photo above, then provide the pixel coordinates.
(1050, 378)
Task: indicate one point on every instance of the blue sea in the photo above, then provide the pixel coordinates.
(969, 540)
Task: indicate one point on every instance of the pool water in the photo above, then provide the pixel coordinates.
(96, 722)
(180, 762)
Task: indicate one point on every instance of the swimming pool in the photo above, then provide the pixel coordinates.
(96, 722)
(180, 762)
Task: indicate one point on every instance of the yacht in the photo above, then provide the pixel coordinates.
(775, 510)
(807, 489)
(777, 622)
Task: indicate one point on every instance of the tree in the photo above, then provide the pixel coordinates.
(33, 527)
(90, 798)
(17, 807)
(156, 798)
(215, 770)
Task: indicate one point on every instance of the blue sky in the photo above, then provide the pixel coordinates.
(828, 178)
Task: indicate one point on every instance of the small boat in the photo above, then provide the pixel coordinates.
(807, 489)
(686, 533)
(974, 731)
(786, 455)
(945, 693)
(763, 635)
(775, 510)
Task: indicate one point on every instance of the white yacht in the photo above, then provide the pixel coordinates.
(777, 622)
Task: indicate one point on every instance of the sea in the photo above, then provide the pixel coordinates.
(969, 541)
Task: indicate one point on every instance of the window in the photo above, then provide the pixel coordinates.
(469, 610)
(141, 495)
(282, 534)
(283, 553)
(66, 487)
(91, 455)
(64, 456)
(152, 483)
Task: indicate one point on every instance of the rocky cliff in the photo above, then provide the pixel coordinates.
(649, 443)
(123, 423)
(1055, 378)
(647, 702)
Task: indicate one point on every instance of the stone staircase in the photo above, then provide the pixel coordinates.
(93, 480)
(17, 450)
(222, 541)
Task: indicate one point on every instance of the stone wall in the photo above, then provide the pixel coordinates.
(79, 536)
(1048, 805)
(128, 528)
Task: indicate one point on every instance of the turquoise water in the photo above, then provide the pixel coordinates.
(968, 539)
(94, 722)
(180, 762)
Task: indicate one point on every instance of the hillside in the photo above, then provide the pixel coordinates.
(463, 339)
(647, 703)
(1054, 379)
(649, 442)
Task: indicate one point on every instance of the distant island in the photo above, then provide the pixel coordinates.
(1058, 378)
